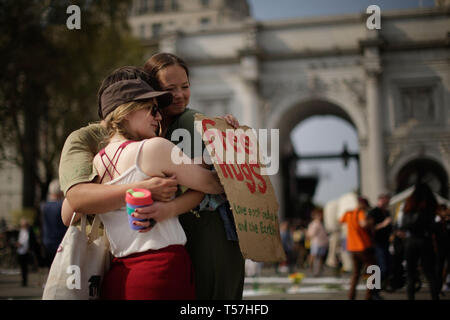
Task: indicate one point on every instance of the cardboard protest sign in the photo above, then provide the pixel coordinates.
(250, 192)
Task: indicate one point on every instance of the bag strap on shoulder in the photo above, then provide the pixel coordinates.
(94, 233)
(83, 221)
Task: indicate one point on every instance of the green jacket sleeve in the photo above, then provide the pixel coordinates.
(79, 150)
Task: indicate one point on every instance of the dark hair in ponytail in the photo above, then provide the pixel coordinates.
(422, 198)
(160, 61)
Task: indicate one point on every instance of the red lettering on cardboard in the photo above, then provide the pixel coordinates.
(248, 174)
(263, 187)
(246, 143)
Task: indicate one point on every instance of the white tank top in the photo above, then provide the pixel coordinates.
(124, 240)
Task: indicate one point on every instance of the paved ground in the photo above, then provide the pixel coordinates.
(269, 286)
(11, 289)
(272, 286)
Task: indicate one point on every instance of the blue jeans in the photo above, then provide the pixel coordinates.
(382, 257)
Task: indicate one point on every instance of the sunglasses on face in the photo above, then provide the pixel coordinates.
(154, 110)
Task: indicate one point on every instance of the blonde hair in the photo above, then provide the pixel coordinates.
(116, 122)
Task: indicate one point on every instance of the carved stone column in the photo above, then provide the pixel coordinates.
(250, 74)
(375, 170)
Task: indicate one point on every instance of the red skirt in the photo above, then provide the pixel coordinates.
(164, 274)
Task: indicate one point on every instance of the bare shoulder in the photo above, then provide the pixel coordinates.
(155, 156)
(158, 143)
(96, 160)
(156, 150)
(98, 164)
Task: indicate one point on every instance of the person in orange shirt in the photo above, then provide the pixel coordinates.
(359, 243)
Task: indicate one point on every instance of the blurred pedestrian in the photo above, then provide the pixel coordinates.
(417, 223)
(288, 246)
(299, 236)
(3, 225)
(53, 229)
(442, 232)
(359, 243)
(26, 244)
(318, 241)
(396, 277)
(380, 221)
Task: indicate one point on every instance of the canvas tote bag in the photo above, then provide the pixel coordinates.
(80, 263)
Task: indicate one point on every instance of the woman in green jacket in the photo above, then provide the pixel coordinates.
(217, 260)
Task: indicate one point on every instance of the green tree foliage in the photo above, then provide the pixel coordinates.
(49, 77)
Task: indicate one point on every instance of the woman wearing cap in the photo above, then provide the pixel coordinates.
(76, 173)
(216, 256)
(146, 265)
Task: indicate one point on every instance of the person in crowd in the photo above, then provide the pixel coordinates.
(319, 242)
(380, 221)
(417, 224)
(26, 245)
(396, 278)
(3, 225)
(53, 229)
(359, 243)
(442, 238)
(214, 249)
(288, 246)
(299, 236)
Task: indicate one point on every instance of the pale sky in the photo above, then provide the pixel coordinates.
(280, 9)
(310, 136)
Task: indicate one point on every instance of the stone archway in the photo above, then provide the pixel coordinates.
(294, 109)
(429, 162)
(423, 170)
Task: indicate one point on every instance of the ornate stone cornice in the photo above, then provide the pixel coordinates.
(372, 67)
(371, 50)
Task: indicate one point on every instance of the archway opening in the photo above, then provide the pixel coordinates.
(328, 139)
(423, 170)
(319, 156)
